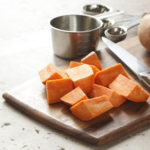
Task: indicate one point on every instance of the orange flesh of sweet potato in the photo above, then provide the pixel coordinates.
(106, 76)
(75, 64)
(55, 89)
(50, 72)
(95, 69)
(82, 76)
(92, 59)
(129, 89)
(74, 96)
(91, 108)
(115, 98)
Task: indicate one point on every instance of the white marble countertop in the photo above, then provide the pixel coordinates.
(25, 47)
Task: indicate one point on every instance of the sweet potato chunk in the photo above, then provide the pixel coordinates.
(91, 108)
(95, 69)
(129, 89)
(92, 59)
(115, 98)
(50, 72)
(75, 64)
(57, 88)
(74, 96)
(82, 76)
(106, 76)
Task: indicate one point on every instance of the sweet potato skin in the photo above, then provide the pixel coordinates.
(129, 89)
(91, 108)
(74, 96)
(106, 76)
(55, 89)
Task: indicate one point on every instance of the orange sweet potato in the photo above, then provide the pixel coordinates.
(74, 96)
(115, 98)
(92, 59)
(129, 89)
(95, 69)
(55, 89)
(82, 76)
(50, 72)
(106, 76)
(91, 108)
(75, 64)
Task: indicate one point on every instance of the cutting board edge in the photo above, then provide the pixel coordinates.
(132, 126)
(41, 117)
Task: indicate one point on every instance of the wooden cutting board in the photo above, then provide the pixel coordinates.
(31, 99)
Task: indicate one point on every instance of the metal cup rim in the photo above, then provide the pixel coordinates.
(113, 35)
(110, 9)
(85, 31)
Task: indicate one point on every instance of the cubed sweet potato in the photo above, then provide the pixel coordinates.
(129, 89)
(95, 69)
(91, 108)
(75, 64)
(55, 89)
(92, 59)
(50, 72)
(106, 76)
(74, 96)
(115, 98)
(82, 76)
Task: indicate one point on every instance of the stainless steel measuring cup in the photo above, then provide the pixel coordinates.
(119, 33)
(75, 35)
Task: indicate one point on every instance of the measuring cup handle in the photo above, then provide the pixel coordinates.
(133, 23)
(109, 14)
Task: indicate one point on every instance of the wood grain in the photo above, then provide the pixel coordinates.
(31, 99)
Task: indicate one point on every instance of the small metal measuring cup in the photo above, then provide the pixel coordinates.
(103, 12)
(107, 23)
(119, 33)
(95, 9)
